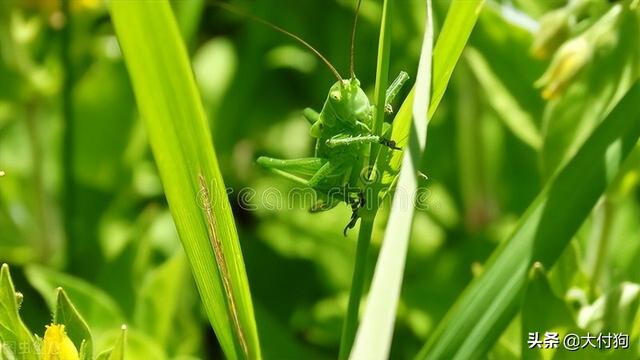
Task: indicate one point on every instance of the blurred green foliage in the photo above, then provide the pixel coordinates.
(492, 145)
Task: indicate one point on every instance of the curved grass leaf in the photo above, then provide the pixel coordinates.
(373, 339)
(488, 304)
(170, 105)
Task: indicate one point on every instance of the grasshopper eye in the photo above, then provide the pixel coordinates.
(335, 96)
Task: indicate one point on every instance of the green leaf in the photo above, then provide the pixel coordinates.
(542, 311)
(373, 339)
(77, 329)
(118, 350)
(158, 299)
(170, 106)
(485, 308)
(460, 20)
(98, 308)
(15, 338)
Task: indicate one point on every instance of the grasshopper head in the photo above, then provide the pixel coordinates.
(347, 99)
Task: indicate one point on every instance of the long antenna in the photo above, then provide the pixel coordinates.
(233, 9)
(353, 41)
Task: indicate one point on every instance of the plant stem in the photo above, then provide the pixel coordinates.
(357, 285)
(39, 197)
(350, 325)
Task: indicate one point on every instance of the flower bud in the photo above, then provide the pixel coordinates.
(567, 63)
(56, 345)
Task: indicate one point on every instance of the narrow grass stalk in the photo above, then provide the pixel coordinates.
(382, 72)
(180, 139)
(489, 303)
(373, 339)
(357, 287)
(369, 212)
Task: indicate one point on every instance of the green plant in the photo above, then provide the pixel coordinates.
(67, 338)
(519, 217)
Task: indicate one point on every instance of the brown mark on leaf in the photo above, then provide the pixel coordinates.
(222, 264)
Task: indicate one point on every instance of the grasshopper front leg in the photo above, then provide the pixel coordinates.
(361, 139)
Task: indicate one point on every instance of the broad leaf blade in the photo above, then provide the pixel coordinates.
(77, 329)
(14, 335)
(155, 314)
(99, 310)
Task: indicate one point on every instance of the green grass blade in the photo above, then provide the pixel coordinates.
(461, 17)
(485, 308)
(170, 106)
(382, 69)
(375, 333)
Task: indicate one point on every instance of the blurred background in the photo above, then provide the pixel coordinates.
(81, 203)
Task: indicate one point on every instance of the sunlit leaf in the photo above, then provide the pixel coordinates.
(171, 108)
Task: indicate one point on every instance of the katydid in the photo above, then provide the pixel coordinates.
(343, 133)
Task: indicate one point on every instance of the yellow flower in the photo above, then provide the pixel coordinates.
(57, 345)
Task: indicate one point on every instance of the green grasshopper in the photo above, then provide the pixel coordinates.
(343, 133)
